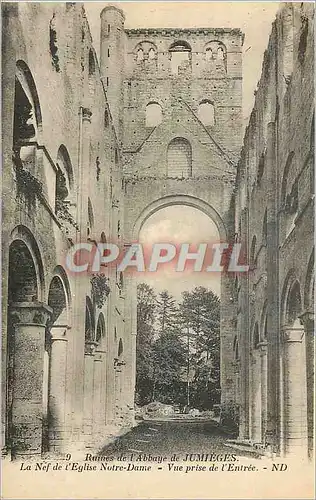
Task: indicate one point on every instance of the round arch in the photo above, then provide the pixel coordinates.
(309, 284)
(291, 301)
(236, 349)
(89, 321)
(180, 45)
(120, 350)
(63, 159)
(26, 80)
(100, 333)
(255, 336)
(61, 290)
(24, 235)
(187, 200)
(263, 322)
(291, 293)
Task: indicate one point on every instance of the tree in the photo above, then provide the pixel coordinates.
(177, 343)
(200, 315)
(168, 352)
(146, 307)
(168, 359)
(167, 313)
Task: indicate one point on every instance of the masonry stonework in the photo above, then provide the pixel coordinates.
(90, 153)
(274, 213)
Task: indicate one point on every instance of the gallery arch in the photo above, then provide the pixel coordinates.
(27, 322)
(256, 386)
(293, 370)
(55, 363)
(180, 55)
(307, 319)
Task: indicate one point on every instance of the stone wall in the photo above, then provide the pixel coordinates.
(56, 176)
(274, 213)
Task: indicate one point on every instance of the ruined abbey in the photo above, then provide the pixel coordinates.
(91, 149)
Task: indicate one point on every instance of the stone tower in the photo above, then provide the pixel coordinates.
(187, 81)
(112, 57)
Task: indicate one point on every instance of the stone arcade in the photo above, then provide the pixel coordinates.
(89, 153)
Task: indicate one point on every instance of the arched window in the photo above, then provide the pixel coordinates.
(91, 63)
(65, 179)
(145, 53)
(23, 285)
(140, 55)
(100, 328)
(264, 228)
(216, 55)
(64, 184)
(284, 186)
(236, 349)
(151, 53)
(210, 55)
(294, 305)
(206, 113)
(27, 114)
(253, 251)
(256, 337)
(179, 158)
(220, 53)
(89, 321)
(121, 280)
(260, 168)
(180, 57)
(120, 350)
(106, 118)
(90, 219)
(153, 114)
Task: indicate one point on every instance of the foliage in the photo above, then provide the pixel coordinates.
(200, 315)
(22, 130)
(53, 44)
(169, 357)
(63, 213)
(99, 289)
(167, 313)
(164, 351)
(146, 307)
(61, 185)
(27, 185)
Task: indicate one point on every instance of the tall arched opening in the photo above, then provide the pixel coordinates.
(226, 323)
(27, 321)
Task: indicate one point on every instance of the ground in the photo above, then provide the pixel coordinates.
(167, 438)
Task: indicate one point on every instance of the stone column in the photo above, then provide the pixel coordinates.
(130, 351)
(76, 349)
(272, 434)
(256, 398)
(119, 373)
(98, 390)
(57, 389)
(236, 365)
(88, 392)
(264, 379)
(29, 323)
(307, 319)
(295, 427)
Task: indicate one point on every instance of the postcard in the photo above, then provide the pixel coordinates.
(157, 250)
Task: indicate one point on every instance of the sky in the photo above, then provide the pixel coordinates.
(179, 224)
(176, 225)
